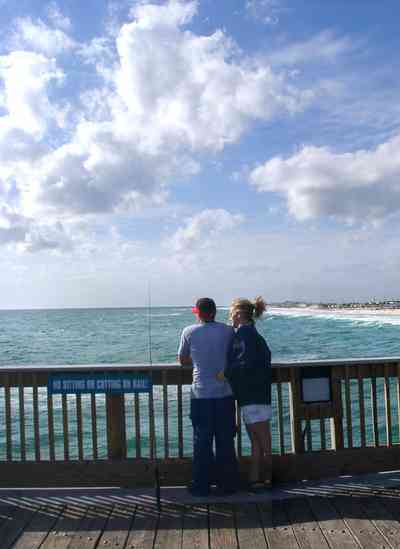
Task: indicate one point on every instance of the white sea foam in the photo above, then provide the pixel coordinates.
(165, 314)
(376, 317)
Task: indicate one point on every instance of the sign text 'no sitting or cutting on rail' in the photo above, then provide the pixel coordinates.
(99, 382)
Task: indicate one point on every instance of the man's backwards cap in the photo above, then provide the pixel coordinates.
(205, 306)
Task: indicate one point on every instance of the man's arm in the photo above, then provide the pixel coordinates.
(184, 357)
(185, 360)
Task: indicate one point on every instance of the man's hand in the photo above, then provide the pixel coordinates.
(220, 376)
(185, 360)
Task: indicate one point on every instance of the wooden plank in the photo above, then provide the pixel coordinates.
(7, 404)
(174, 472)
(43, 521)
(322, 432)
(116, 431)
(118, 526)
(294, 402)
(79, 426)
(388, 407)
(63, 531)
(281, 423)
(50, 427)
(358, 523)
(152, 434)
(337, 423)
(361, 407)
(222, 526)
(349, 420)
(277, 529)
(307, 531)
(143, 530)
(382, 519)
(22, 419)
(64, 406)
(169, 530)
(177, 373)
(334, 529)
(36, 430)
(249, 527)
(91, 528)
(308, 433)
(165, 413)
(374, 406)
(13, 521)
(93, 414)
(138, 442)
(180, 421)
(195, 528)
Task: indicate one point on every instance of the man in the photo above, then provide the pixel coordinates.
(212, 407)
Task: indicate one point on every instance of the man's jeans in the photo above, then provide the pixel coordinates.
(213, 418)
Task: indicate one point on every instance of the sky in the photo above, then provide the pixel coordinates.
(227, 149)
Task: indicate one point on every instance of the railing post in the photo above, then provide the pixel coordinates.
(337, 420)
(116, 437)
(295, 420)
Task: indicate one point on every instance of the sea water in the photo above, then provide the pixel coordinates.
(95, 336)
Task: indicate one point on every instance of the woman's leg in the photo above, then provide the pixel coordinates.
(262, 433)
(256, 454)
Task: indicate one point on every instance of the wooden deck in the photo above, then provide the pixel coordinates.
(343, 513)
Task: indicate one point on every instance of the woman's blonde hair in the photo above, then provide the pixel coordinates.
(250, 310)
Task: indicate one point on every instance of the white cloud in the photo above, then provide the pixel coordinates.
(324, 46)
(171, 95)
(203, 230)
(38, 36)
(58, 19)
(26, 76)
(194, 89)
(265, 11)
(362, 186)
(30, 235)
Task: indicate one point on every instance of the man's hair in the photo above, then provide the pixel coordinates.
(206, 307)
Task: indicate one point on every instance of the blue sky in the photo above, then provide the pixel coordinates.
(213, 148)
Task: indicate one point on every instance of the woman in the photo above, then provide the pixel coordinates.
(249, 373)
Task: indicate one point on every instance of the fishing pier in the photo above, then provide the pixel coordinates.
(83, 463)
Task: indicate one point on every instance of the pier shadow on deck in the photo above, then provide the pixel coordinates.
(345, 512)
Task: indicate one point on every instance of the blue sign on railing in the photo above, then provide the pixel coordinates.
(99, 382)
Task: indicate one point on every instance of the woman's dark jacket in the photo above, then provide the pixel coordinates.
(249, 367)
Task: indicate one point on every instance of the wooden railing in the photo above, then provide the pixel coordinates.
(94, 439)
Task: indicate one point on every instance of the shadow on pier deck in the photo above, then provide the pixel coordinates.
(346, 512)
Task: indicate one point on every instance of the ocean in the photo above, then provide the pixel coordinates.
(95, 336)
(88, 336)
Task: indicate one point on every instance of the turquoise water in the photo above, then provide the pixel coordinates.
(84, 336)
(89, 336)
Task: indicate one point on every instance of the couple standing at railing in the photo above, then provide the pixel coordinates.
(229, 363)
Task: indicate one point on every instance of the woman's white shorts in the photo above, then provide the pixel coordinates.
(254, 413)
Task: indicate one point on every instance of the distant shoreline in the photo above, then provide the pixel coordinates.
(337, 309)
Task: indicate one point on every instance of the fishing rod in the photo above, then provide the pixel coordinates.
(153, 443)
(149, 321)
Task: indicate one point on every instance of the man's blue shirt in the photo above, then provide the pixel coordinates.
(207, 344)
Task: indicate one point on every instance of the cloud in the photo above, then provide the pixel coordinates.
(194, 89)
(167, 96)
(324, 46)
(55, 15)
(356, 187)
(203, 230)
(265, 11)
(39, 37)
(25, 77)
(13, 227)
(30, 235)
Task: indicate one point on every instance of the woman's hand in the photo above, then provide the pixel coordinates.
(220, 376)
